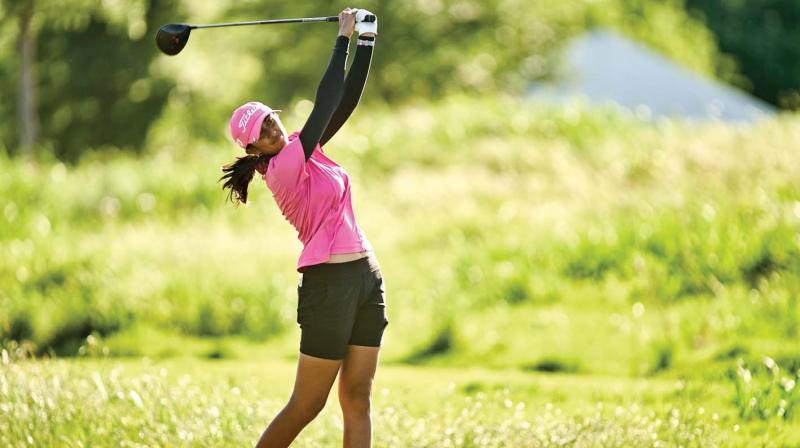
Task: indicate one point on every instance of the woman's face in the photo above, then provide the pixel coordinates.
(273, 137)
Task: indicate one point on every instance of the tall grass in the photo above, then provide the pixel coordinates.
(765, 393)
(57, 403)
(477, 207)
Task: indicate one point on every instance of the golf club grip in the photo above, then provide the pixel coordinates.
(322, 19)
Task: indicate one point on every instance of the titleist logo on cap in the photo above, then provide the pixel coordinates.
(246, 117)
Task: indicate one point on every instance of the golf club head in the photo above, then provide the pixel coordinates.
(172, 38)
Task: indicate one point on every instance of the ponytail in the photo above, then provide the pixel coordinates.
(239, 174)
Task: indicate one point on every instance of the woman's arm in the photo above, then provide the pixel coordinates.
(329, 91)
(353, 87)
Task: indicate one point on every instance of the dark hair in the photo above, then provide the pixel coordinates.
(239, 174)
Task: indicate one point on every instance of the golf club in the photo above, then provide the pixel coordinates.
(171, 38)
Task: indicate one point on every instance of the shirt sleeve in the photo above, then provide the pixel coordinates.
(287, 169)
(329, 94)
(353, 87)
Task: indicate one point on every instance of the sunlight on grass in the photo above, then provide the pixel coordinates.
(58, 403)
(571, 242)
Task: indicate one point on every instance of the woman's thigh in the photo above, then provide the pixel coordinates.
(358, 372)
(314, 379)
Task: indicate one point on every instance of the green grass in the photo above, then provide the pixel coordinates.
(518, 206)
(571, 241)
(190, 402)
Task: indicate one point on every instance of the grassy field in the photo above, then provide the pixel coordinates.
(191, 402)
(579, 256)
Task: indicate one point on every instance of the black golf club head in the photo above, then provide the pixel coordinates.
(172, 38)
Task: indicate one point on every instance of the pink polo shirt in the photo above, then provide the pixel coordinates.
(314, 196)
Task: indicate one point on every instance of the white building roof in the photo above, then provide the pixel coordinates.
(602, 66)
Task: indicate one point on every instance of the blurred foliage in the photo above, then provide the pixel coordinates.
(665, 26)
(103, 84)
(763, 36)
(94, 86)
(531, 223)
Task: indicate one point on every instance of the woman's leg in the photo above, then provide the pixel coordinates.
(355, 387)
(313, 382)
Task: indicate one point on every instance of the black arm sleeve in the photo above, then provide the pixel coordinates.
(353, 89)
(329, 94)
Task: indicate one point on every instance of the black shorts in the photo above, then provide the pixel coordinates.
(341, 304)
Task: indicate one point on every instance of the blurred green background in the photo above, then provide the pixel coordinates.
(513, 235)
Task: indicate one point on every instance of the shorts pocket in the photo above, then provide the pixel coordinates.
(381, 297)
(308, 299)
(380, 294)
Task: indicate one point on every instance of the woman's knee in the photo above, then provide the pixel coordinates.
(355, 399)
(306, 409)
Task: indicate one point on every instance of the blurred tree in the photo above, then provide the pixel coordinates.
(665, 25)
(28, 118)
(24, 83)
(101, 83)
(763, 36)
(426, 49)
(9, 64)
(83, 69)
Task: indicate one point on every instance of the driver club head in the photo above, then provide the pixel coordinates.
(172, 38)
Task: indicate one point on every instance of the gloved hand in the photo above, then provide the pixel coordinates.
(366, 22)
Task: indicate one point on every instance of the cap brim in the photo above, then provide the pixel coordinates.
(255, 131)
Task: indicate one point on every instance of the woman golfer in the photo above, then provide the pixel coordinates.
(341, 308)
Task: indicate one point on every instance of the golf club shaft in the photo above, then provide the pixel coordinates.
(266, 22)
